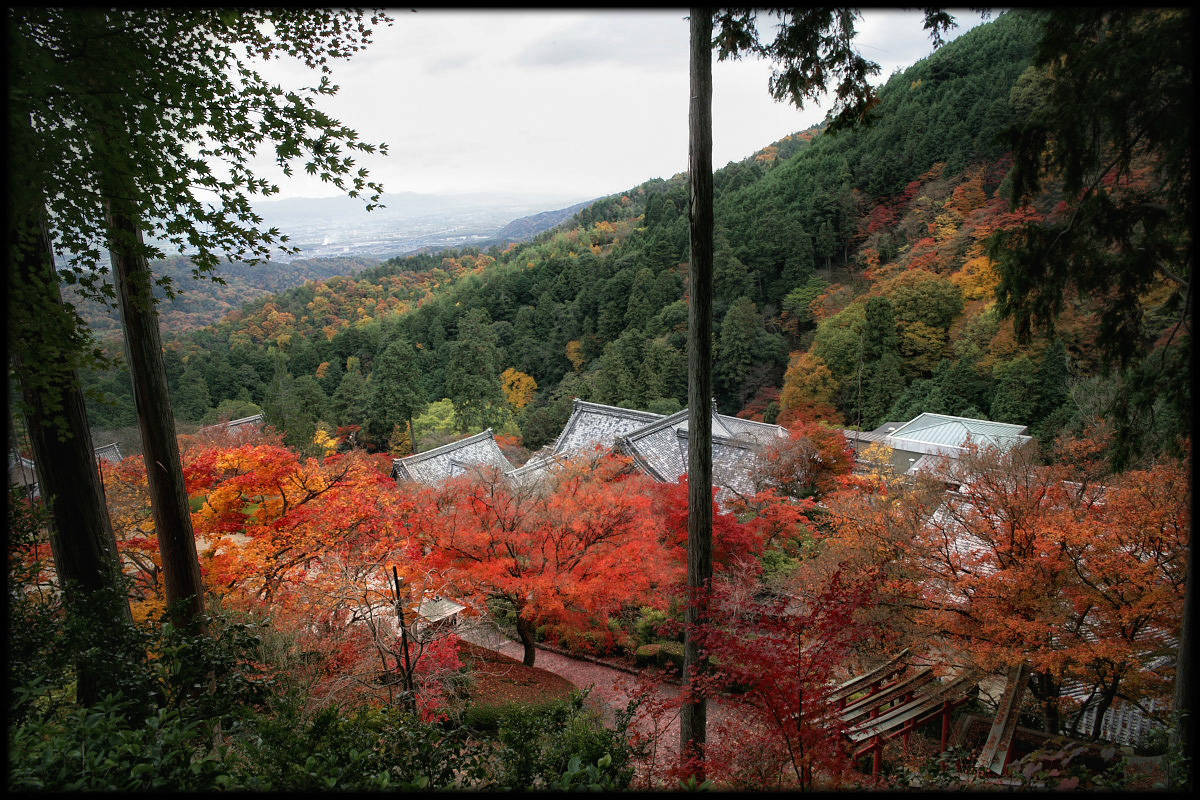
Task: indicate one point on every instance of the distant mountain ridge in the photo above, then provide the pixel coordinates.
(347, 239)
(525, 228)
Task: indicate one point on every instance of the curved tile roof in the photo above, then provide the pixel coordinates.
(453, 459)
(595, 425)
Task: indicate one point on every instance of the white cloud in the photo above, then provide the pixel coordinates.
(583, 103)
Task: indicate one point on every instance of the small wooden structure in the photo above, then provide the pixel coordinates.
(997, 750)
(895, 701)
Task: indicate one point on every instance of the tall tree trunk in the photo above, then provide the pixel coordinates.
(693, 718)
(1181, 761)
(156, 421)
(86, 560)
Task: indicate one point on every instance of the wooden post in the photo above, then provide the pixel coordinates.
(947, 707)
(406, 676)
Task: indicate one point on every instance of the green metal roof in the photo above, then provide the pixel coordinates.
(944, 431)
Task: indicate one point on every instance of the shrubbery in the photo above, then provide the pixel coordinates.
(664, 655)
(221, 711)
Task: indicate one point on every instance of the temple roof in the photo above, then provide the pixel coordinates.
(937, 437)
(657, 444)
(453, 459)
(941, 434)
(536, 468)
(22, 471)
(110, 452)
(761, 433)
(594, 425)
(660, 449)
(239, 426)
(655, 448)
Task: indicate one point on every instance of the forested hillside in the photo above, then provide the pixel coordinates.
(196, 304)
(853, 284)
(284, 607)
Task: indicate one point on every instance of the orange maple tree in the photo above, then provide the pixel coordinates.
(1026, 563)
(312, 542)
(565, 551)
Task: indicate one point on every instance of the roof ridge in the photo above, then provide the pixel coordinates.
(445, 448)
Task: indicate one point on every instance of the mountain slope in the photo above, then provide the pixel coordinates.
(852, 284)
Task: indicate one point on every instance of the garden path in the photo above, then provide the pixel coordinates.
(610, 690)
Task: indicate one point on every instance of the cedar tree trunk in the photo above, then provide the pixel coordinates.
(156, 421)
(693, 719)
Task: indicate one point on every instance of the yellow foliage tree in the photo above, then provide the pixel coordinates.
(325, 441)
(575, 354)
(518, 387)
(977, 278)
(400, 442)
(808, 381)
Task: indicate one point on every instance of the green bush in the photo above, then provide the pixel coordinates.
(663, 655)
(356, 750)
(101, 749)
(649, 622)
(486, 719)
(538, 745)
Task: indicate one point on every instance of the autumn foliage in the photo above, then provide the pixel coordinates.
(995, 561)
(1026, 563)
(563, 553)
(776, 659)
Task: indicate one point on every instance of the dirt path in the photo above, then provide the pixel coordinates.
(610, 691)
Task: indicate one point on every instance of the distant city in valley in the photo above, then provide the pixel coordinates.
(408, 222)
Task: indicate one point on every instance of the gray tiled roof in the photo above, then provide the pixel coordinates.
(436, 609)
(762, 433)
(657, 444)
(110, 452)
(253, 421)
(735, 465)
(453, 459)
(866, 437)
(655, 447)
(535, 469)
(22, 471)
(594, 425)
(660, 449)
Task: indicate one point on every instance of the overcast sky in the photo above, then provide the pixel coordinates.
(575, 104)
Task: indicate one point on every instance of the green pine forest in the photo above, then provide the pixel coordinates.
(856, 282)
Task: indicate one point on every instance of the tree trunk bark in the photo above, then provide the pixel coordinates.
(525, 634)
(85, 552)
(1046, 690)
(156, 421)
(1107, 696)
(1180, 772)
(693, 718)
